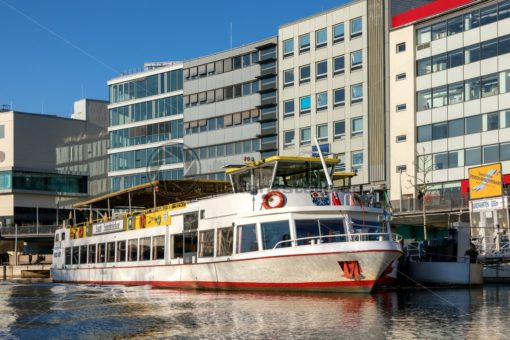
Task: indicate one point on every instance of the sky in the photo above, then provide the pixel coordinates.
(58, 51)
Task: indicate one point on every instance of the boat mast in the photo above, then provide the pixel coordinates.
(328, 178)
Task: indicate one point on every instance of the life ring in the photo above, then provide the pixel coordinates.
(273, 199)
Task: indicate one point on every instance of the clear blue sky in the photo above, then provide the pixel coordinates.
(53, 51)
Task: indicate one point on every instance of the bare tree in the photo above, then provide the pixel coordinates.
(421, 183)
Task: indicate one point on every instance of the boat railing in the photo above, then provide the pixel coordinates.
(333, 238)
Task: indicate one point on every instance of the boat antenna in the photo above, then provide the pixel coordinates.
(328, 178)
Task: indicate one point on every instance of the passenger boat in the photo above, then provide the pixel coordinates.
(282, 227)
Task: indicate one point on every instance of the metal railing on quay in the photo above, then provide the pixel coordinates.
(32, 230)
(432, 203)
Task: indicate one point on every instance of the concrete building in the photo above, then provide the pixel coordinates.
(449, 96)
(230, 108)
(331, 87)
(46, 163)
(145, 127)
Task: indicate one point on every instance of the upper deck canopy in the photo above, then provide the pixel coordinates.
(160, 192)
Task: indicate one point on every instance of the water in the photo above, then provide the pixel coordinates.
(40, 310)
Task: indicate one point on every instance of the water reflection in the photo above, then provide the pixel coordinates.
(47, 310)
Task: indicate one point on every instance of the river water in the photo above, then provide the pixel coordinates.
(42, 310)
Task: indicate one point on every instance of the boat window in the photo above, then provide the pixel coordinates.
(121, 251)
(83, 254)
(133, 250)
(68, 255)
(263, 177)
(225, 242)
(63, 236)
(76, 251)
(191, 221)
(275, 232)
(101, 258)
(307, 231)
(242, 181)
(158, 247)
(111, 251)
(206, 243)
(330, 227)
(247, 238)
(177, 249)
(145, 249)
(300, 175)
(92, 253)
(56, 237)
(363, 226)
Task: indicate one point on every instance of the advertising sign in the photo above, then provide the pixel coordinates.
(108, 227)
(488, 204)
(485, 181)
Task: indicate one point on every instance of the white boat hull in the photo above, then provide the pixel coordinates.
(308, 271)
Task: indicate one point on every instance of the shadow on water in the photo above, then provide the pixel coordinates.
(47, 310)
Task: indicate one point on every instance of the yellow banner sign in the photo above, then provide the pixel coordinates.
(485, 181)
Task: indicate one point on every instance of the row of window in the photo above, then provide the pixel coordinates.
(465, 157)
(464, 126)
(39, 181)
(124, 182)
(465, 55)
(321, 69)
(220, 150)
(218, 123)
(321, 101)
(167, 154)
(148, 86)
(146, 110)
(475, 88)
(146, 134)
(321, 37)
(222, 66)
(465, 22)
(225, 93)
(322, 132)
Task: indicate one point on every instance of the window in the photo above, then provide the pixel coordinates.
(423, 35)
(440, 161)
(2, 131)
(489, 49)
(504, 45)
(490, 85)
(92, 253)
(288, 138)
(356, 27)
(305, 104)
(455, 58)
(439, 30)
(101, 256)
(439, 62)
(305, 136)
(401, 47)
(401, 138)
(321, 38)
(206, 247)
(225, 242)
(424, 66)
(247, 238)
(304, 43)
(357, 161)
(356, 60)
(424, 133)
(401, 168)
(504, 152)
(83, 254)
(322, 132)
(339, 97)
(472, 20)
(110, 252)
(304, 74)
(439, 96)
(491, 121)
(473, 156)
(456, 127)
(145, 249)
(401, 107)
(504, 81)
(288, 108)
(133, 250)
(472, 89)
(275, 234)
(356, 93)
(322, 101)
(321, 70)
(473, 124)
(68, 256)
(456, 93)
(504, 10)
(439, 130)
(288, 47)
(455, 159)
(505, 119)
(339, 65)
(121, 251)
(490, 153)
(357, 126)
(488, 15)
(339, 129)
(288, 77)
(455, 25)
(400, 76)
(338, 33)
(471, 54)
(158, 247)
